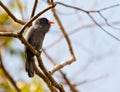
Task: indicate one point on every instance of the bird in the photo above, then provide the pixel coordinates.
(35, 36)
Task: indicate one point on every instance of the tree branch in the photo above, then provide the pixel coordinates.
(72, 56)
(103, 28)
(71, 86)
(95, 11)
(46, 80)
(8, 34)
(108, 22)
(9, 77)
(34, 8)
(48, 75)
(77, 8)
(11, 15)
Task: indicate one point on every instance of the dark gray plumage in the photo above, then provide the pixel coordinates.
(35, 36)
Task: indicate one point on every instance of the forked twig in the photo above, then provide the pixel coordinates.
(72, 56)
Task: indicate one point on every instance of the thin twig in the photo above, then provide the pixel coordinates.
(11, 15)
(108, 22)
(77, 8)
(106, 8)
(103, 28)
(72, 87)
(73, 7)
(34, 8)
(93, 11)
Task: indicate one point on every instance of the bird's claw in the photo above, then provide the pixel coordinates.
(40, 52)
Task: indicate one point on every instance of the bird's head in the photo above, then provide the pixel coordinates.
(43, 23)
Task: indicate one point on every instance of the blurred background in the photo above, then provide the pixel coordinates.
(97, 64)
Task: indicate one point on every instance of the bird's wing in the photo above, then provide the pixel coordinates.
(29, 34)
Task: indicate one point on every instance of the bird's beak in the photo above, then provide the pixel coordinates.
(50, 22)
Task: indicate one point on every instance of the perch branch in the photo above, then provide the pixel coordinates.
(46, 80)
(8, 34)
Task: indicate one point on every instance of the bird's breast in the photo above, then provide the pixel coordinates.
(37, 40)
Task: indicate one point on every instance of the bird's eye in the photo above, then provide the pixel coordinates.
(44, 20)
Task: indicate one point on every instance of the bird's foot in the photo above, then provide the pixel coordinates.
(40, 52)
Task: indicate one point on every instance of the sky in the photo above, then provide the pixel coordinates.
(97, 53)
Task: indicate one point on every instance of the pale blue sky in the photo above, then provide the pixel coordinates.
(97, 54)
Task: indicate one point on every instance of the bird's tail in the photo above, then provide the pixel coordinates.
(29, 66)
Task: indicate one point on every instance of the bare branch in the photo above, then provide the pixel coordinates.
(77, 8)
(19, 36)
(88, 12)
(73, 7)
(34, 8)
(107, 21)
(72, 87)
(61, 65)
(106, 8)
(9, 77)
(8, 34)
(48, 75)
(72, 58)
(46, 80)
(11, 15)
(103, 28)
